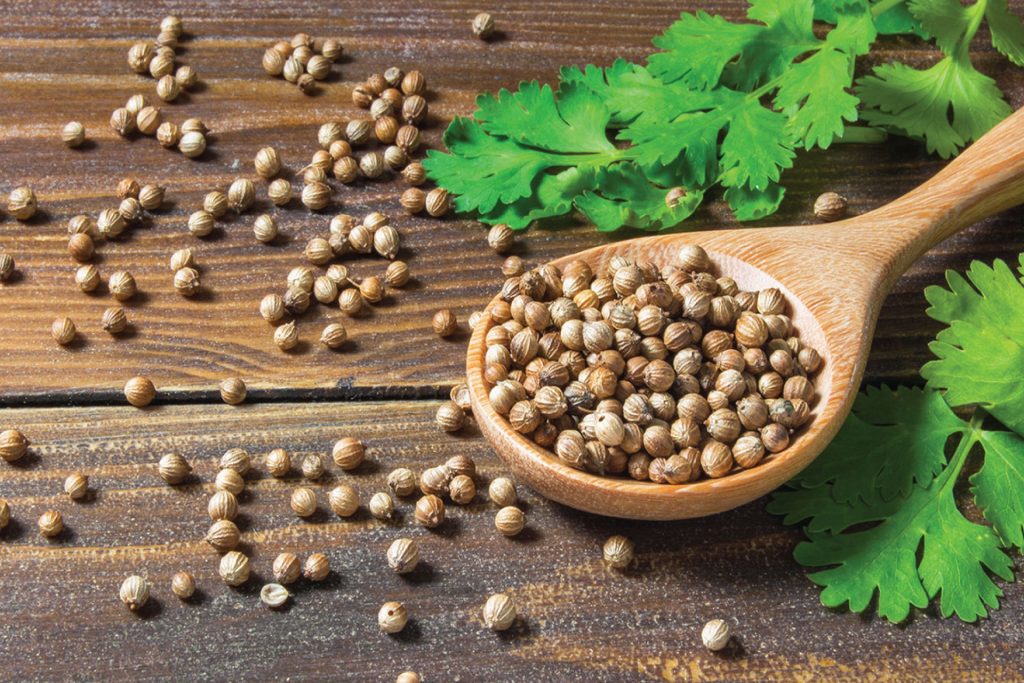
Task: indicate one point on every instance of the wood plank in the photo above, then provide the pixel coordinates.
(49, 75)
(581, 621)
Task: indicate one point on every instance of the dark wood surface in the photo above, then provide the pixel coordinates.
(61, 616)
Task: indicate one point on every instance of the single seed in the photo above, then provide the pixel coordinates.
(350, 301)
(312, 467)
(462, 489)
(63, 331)
(222, 505)
(139, 56)
(287, 568)
(414, 174)
(186, 282)
(303, 501)
(130, 209)
(278, 463)
(13, 445)
(267, 162)
(830, 206)
(134, 592)
(183, 585)
(392, 617)
(73, 134)
(114, 320)
(139, 391)
(7, 269)
(121, 285)
(192, 144)
(316, 195)
(274, 595)
(317, 567)
(509, 521)
(343, 500)
(168, 134)
(51, 523)
(21, 203)
(502, 492)
(381, 506)
(168, 88)
(186, 77)
(76, 485)
(241, 195)
(499, 612)
(122, 121)
(236, 459)
(715, 635)
(618, 552)
(110, 223)
(402, 481)
(223, 535)
(500, 238)
(148, 120)
(430, 511)
(272, 308)
(437, 202)
(333, 336)
(5, 513)
(174, 469)
(403, 555)
(483, 26)
(413, 200)
(234, 568)
(280, 192)
(348, 453)
(151, 197)
(286, 336)
(450, 417)
(397, 274)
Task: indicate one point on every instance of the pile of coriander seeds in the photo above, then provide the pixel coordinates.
(665, 375)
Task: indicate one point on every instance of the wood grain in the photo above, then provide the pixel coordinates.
(580, 621)
(62, 62)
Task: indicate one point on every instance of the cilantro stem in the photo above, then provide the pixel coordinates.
(977, 13)
(956, 463)
(884, 6)
(862, 135)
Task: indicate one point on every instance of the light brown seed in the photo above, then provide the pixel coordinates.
(139, 391)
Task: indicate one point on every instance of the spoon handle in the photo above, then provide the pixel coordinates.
(988, 177)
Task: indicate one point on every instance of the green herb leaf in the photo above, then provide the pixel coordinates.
(918, 103)
(998, 485)
(892, 441)
(624, 196)
(1007, 31)
(895, 19)
(697, 48)
(981, 353)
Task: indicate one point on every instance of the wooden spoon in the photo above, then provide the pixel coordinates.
(834, 277)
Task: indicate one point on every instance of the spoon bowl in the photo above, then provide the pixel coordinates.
(834, 278)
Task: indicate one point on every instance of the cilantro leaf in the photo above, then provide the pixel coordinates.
(697, 48)
(948, 22)
(1007, 31)
(997, 486)
(892, 441)
(748, 204)
(918, 103)
(813, 93)
(981, 353)
(895, 19)
(625, 197)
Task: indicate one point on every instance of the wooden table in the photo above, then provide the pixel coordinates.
(580, 621)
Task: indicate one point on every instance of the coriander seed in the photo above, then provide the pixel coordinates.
(348, 453)
(414, 174)
(319, 67)
(134, 592)
(201, 223)
(325, 290)
(272, 308)
(408, 139)
(502, 492)
(618, 552)
(121, 285)
(215, 203)
(139, 56)
(358, 132)
(267, 162)
(372, 165)
(414, 83)
(76, 485)
(396, 274)
(403, 555)
(830, 206)
(229, 480)
(241, 195)
(350, 301)
(312, 467)
(316, 196)
(303, 502)
(7, 268)
(13, 445)
(192, 144)
(346, 170)
(236, 459)
(381, 108)
(286, 336)
(430, 511)
(83, 224)
(437, 202)
(139, 391)
(500, 238)
(223, 535)
(414, 109)
(402, 481)
(274, 595)
(372, 289)
(499, 612)
(287, 568)
(362, 97)
(222, 505)
(279, 192)
(306, 83)
(318, 251)
(317, 567)
(462, 489)
(122, 121)
(73, 134)
(151, 197)
(339, 149)
(168, 88)
(63, 331)
(385, 129)
(278, 463)
(343, 500)
(51, 523)
(186, 282)
(148, 120)
(381, 506)
(186, 77)
(450, 418)
(445, 324)
(234, 568)
(386, 241)
(183, 585)
(21, 203)
(509, 521)
(130, 210)
(395, 157)
(329, 133)
(332, 49)
(715, 635)
(174, 469)
(296, 300)
(232, 391)
(392, 617)
(273, 62)
(408, 677)
(333, 336)
(483, 26)
(168, 134)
